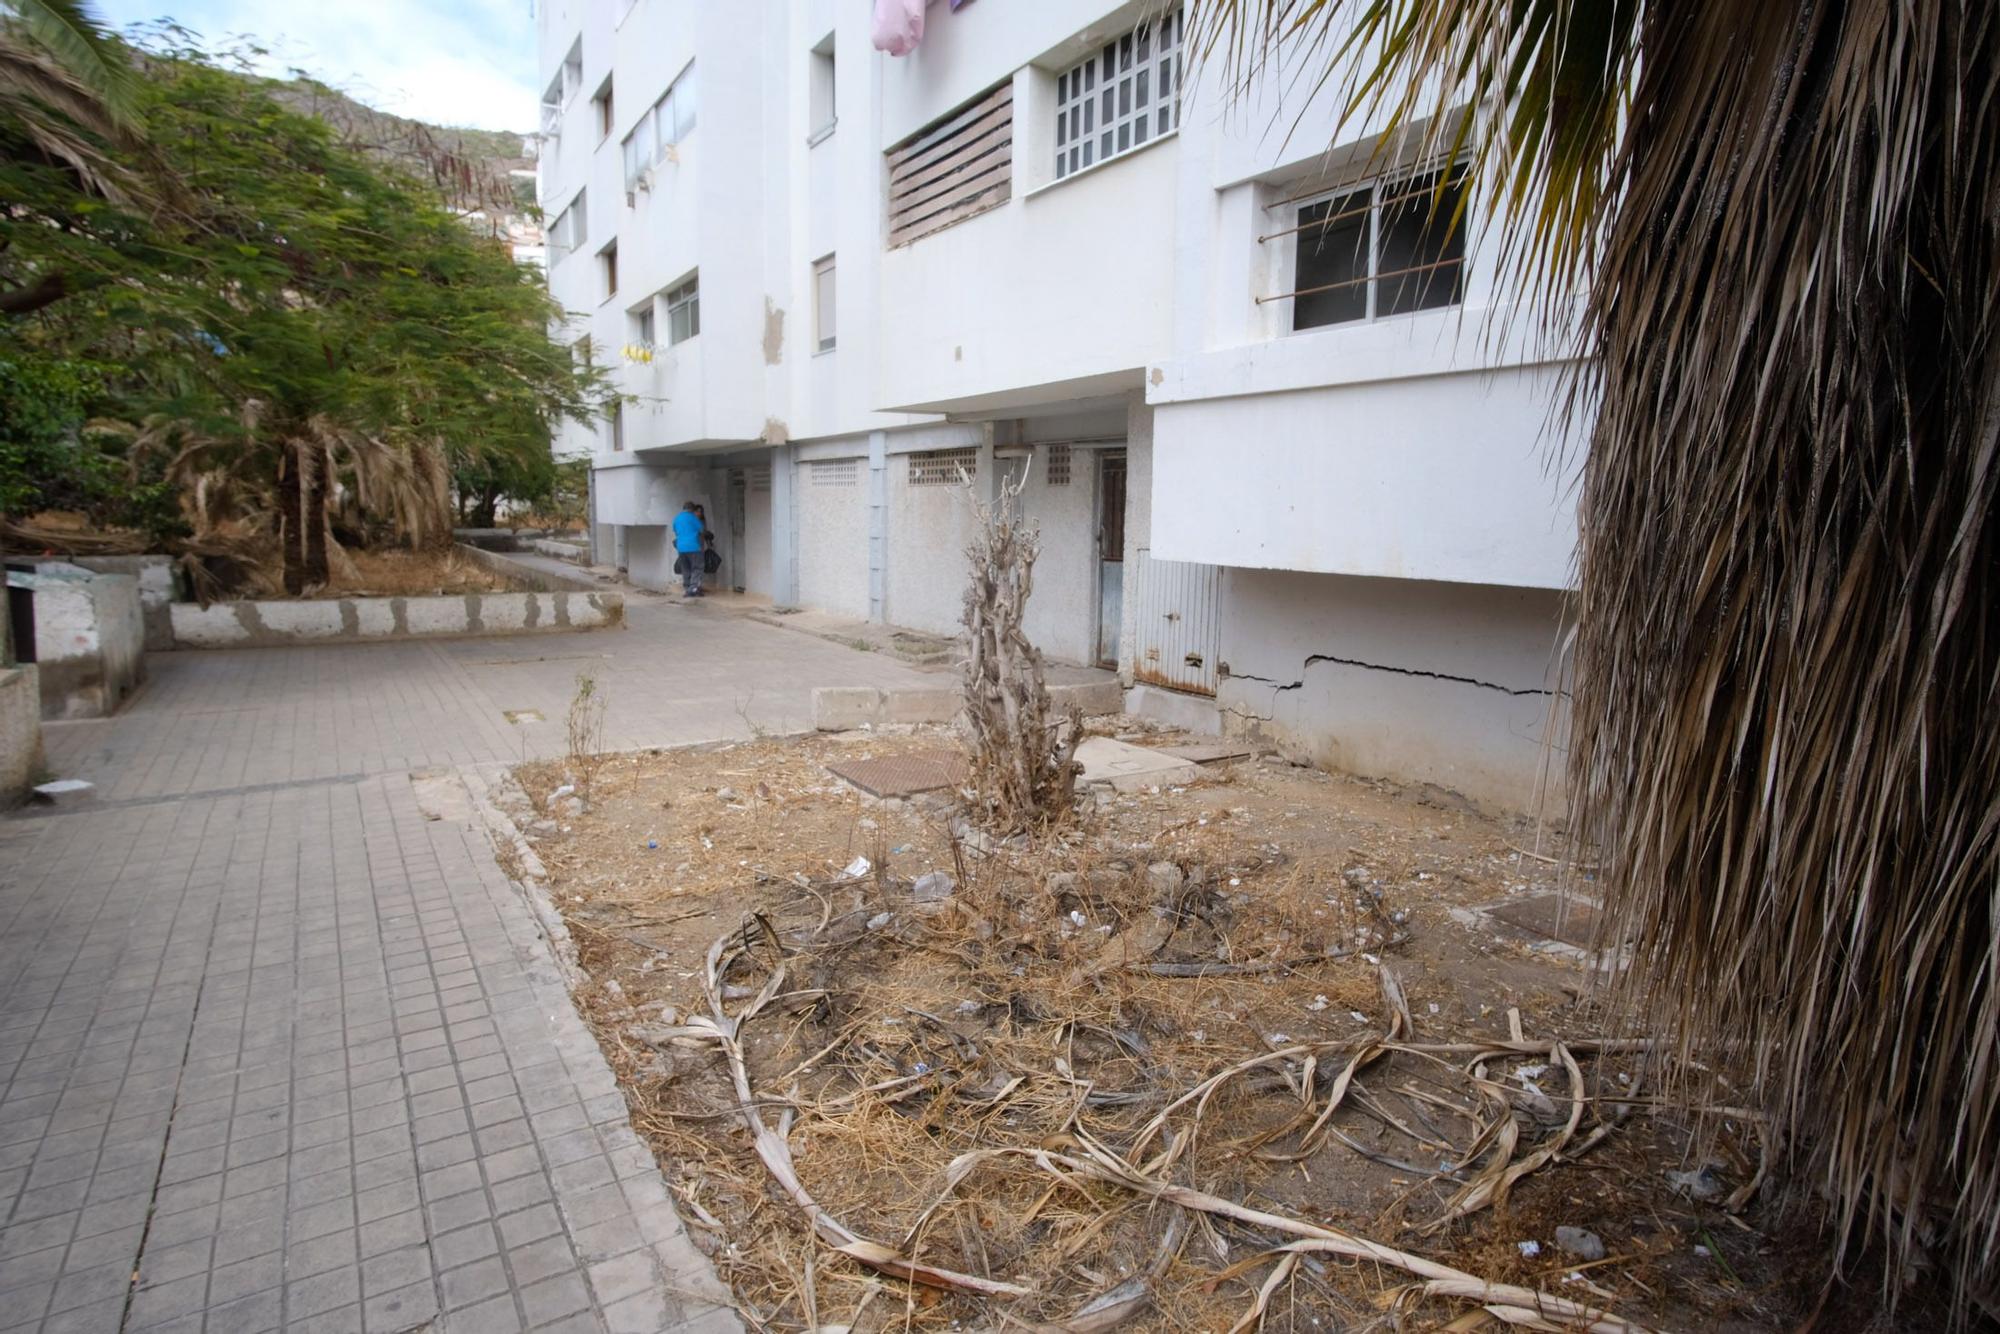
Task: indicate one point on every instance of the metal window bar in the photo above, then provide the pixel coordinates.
(1413, 169)
(1332, 218)
(1368, 278)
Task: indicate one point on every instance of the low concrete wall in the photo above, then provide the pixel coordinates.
(840, 708)
(90, 638)
(561, 550)
(20, 732)
(494, 539)
(365, 620)
(529, 576)
(1447, 684)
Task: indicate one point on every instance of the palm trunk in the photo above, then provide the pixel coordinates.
(291, 535)
(312, 512)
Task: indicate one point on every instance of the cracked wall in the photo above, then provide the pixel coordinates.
(1420, 682)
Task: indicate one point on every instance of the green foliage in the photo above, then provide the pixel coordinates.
(310, 295)
(49, 461)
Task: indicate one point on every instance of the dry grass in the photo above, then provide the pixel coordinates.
(997, 1025)
(396, 573)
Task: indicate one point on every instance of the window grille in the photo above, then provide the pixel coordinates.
(940, 467)
(1058, 465)
(835, 472)
(760, 479)
(1121, 98)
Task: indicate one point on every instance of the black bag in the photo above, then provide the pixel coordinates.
(681, 563)
(711, 560)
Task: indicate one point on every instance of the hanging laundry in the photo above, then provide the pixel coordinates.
(899, 25)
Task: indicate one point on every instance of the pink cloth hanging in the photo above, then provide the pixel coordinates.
(899, 25)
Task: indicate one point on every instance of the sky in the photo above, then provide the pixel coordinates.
(449, 62)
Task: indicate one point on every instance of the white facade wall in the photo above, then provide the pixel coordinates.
(1420, 681)
(833, 533)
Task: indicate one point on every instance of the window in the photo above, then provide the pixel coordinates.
(820, 89)
(638, 150)
(684, 311)
(600, 104)
(607, 263)
(665, 124)
(552, 105)
(616, 419)
(1121, 98)
(1388, 248)
(836, 472)
(955, 168)
(940, 467)
(760, 479)
(561, 88)
(571, 229)
(643, 325)
(823, 287)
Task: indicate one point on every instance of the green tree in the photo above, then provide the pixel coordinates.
(313, 326)
(1786, 720)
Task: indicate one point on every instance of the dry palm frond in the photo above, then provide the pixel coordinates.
(66, 88)
(1786, 720)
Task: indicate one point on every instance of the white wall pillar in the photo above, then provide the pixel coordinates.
(784, 527)
(878, 526)
(986, 486)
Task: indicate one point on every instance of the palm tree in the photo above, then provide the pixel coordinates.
(66, 97)
(1784, 220)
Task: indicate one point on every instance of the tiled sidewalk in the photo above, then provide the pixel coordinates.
(300, 1060)
(280, 1051)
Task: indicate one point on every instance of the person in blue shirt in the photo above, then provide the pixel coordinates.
(687, 543)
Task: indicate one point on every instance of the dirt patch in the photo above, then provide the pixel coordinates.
(405, 574)
(1250, 988)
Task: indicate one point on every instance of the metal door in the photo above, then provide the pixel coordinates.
(1110, 554)
(739, 524)
(1178, 611)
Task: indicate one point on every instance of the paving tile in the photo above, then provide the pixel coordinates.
(472, 1284)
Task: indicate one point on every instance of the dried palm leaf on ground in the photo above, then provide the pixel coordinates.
(1090, 1160)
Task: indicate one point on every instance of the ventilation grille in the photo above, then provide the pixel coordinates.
(760, 479)
(1058, 465)
(834, 472)
(940, 467)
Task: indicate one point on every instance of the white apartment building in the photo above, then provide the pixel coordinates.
(1285, 440)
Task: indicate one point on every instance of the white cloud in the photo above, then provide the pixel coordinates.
(450, 62)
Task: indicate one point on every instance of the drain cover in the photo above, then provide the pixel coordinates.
(903, 775)
(1551, 917)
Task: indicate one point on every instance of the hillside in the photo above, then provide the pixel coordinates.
(470, 167)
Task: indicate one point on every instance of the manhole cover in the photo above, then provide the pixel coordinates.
(522, 715)
(1551, 917)
(1209, 752)
(903, 775)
